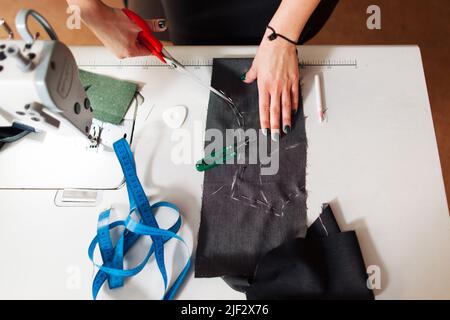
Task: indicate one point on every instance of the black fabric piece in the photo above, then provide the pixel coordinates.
(244, 214)
(324, 226)
(240, 284)
(227, 22)
(12, 134)
(328, 264)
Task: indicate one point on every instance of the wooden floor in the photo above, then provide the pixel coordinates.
(422, 22)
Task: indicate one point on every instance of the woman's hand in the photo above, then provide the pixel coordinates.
(276, 66)
(276, 69)
(114, 28)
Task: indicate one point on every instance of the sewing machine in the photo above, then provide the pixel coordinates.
(40, 89)
(46, 75)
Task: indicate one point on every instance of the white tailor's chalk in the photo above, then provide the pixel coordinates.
(174, 117)
(319, 98)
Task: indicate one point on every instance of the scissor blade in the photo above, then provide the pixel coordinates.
(176, 65)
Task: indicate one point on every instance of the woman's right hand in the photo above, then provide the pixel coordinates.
(117, 32)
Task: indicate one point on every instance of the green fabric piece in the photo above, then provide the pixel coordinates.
(110, 98)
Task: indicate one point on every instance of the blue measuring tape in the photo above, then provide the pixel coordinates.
(112, 268)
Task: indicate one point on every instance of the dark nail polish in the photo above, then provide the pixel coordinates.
(287, 129)
(162, 23)
(244, 76)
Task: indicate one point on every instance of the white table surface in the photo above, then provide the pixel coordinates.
(375, 160)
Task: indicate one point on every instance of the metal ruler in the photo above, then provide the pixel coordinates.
(329, 63)
(208, 62)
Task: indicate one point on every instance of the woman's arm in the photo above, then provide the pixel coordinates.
(292, 16)
(114, 28)
(276, 67)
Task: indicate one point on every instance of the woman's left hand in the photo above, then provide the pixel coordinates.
(276, 70)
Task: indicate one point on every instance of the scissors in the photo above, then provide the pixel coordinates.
(147, 39)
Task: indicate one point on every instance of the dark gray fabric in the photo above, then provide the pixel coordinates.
(245, 214)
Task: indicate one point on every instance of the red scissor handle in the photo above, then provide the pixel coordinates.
(146, 37)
